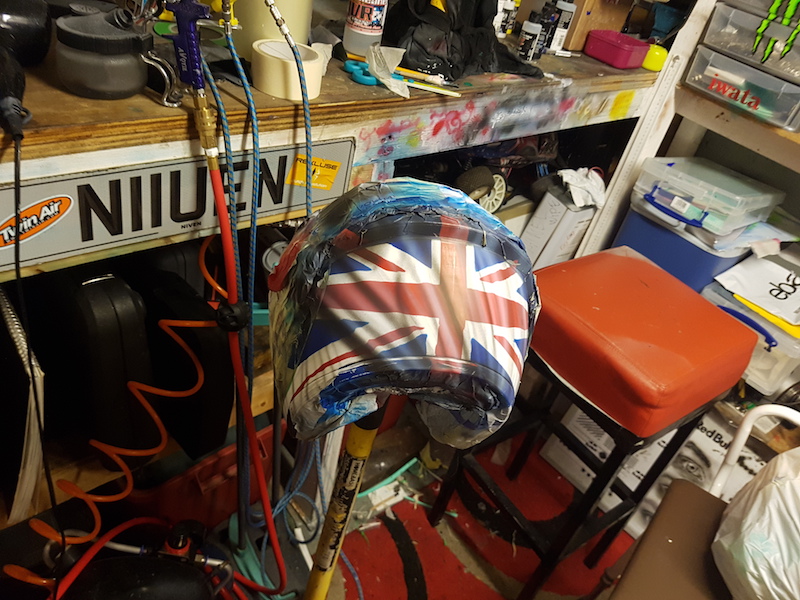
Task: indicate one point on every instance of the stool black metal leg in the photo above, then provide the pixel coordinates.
(603, 544)
(522, 455)
(447, 489)
(664, 458)
(576, 516)
(536, 424)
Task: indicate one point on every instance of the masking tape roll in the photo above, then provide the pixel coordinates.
(274, 69)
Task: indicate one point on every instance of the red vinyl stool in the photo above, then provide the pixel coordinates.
(640, 353)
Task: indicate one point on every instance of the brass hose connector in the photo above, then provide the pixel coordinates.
(205, 120)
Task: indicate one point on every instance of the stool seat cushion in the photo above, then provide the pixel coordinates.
(637, 342)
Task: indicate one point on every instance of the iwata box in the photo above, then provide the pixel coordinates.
(745, 88)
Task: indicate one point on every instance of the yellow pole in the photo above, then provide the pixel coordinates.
(360, 438)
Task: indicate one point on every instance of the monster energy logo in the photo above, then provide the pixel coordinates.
(791, 9)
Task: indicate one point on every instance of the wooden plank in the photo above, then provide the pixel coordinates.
(64, 124)
(779, 145)
(595, 14)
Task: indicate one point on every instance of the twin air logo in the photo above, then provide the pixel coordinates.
(34, 219)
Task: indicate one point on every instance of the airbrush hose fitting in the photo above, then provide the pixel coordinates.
(205, 120)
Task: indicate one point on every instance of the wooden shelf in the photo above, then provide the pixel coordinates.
(66, 124)
(779, 145)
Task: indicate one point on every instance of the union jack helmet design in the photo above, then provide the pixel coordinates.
(406, 288)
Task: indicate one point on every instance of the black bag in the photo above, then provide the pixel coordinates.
(455, 43)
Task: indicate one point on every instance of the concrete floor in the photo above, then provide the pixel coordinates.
(504, 585)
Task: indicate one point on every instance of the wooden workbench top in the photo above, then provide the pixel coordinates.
(66, 124)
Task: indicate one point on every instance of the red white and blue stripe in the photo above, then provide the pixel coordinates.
(434, 300)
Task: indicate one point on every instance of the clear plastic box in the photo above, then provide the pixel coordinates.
(745, 88)
(701, 193)
(758, 7)
(769, 370)
(733, 32)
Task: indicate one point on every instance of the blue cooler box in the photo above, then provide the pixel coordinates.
(673, 249)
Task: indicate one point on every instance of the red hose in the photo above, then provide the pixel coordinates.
(241, 382)
(69, 579)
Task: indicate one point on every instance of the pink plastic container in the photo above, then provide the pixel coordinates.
(615, 49)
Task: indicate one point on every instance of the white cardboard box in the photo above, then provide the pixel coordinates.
(555, 229)
(516, 214)
(698, 461)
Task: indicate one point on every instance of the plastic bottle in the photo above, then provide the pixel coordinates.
(364, 25)
(508, 15)
(567, 11)
(549, 19)
(529, 40)
(512, 19)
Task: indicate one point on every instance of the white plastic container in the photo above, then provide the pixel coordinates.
(733, 32)
(529, 47)
(701, 193)
(364, 25)
(745, 88)
(562, 26)
(768, 369)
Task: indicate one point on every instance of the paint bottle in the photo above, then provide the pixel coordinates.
(566, 12)
(364, 25)
(512, 19)
(549, 19)
(508, 16)
(529, 41)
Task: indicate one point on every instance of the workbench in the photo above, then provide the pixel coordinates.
(104, 178)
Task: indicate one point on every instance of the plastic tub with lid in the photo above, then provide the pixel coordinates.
(677, 252)
(615, 48)
(701, 193)
(775, 356)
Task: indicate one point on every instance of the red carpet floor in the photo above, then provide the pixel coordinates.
(407, 559)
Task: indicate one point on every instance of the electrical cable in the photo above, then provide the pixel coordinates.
(204, 267)
(18, 136)
(242, 457)
(116, 453)
(98, 545)
(282, 27)
(241, 383)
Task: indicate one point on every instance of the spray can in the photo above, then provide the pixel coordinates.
(364, 25)
(566, 12)
(529, 41)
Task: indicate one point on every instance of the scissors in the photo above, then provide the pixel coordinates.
(359, 72)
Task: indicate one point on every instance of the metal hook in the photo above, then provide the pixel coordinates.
(172, 95)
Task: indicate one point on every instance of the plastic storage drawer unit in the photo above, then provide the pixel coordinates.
(733, 32)
(745, 88)
(701, 193)
(615, 49)
(677, 252)
(770, 368)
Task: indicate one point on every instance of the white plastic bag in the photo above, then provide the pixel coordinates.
(757, 547)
